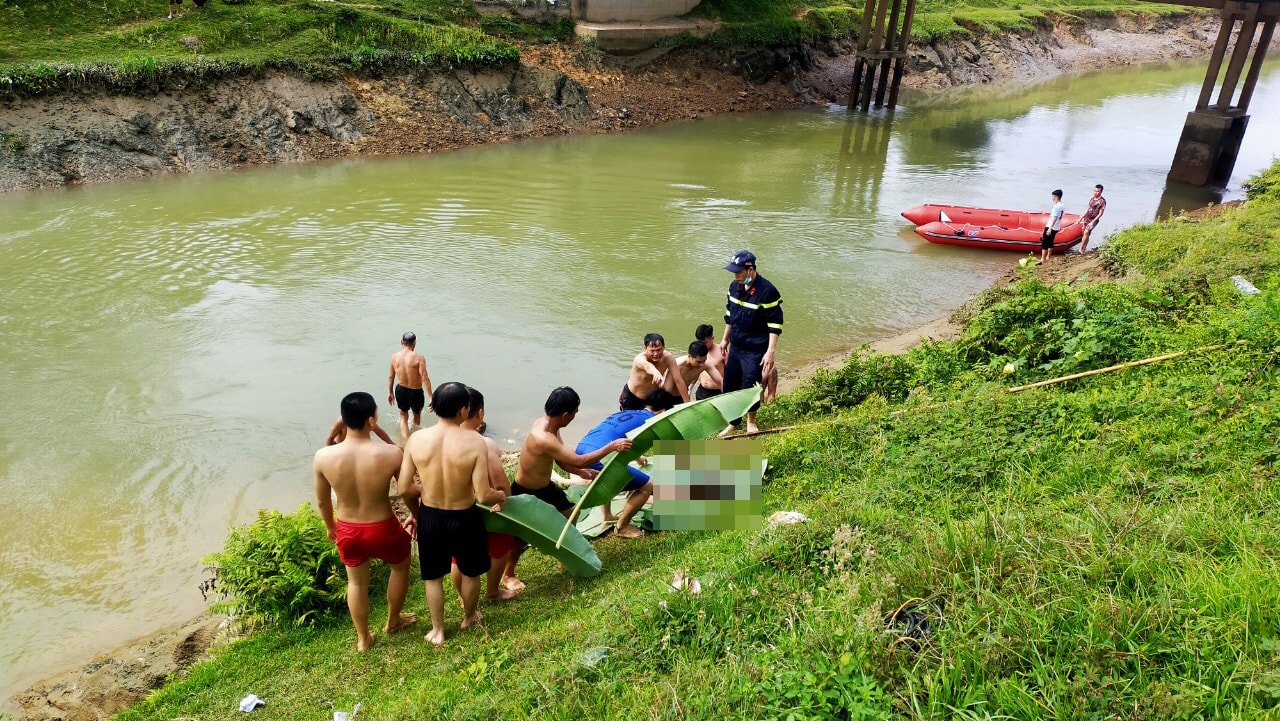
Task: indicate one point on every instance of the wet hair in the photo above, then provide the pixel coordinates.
(450, 399)
(654, 338)
(698, 349)
(1057, 194)
(409, 338)
(661, 400)
(475, 404)
(704, 332)
(562, 400)
(357, 408)
(1098, 186)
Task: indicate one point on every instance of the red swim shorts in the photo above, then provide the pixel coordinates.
(500, 544)
(385, 540)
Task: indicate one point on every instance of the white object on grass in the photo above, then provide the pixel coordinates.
(250, 702)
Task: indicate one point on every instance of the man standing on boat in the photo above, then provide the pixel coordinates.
(1052, 224)
(752, 327)
(1097, 206)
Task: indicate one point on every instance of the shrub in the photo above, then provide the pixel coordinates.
(280, 569)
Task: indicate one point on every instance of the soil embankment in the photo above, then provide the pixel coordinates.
(280, 118)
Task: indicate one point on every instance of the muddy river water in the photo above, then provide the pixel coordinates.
(172, 351)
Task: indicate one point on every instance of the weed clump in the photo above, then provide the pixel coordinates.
(282, 569)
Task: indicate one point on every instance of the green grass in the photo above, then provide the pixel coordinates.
(1104, 548)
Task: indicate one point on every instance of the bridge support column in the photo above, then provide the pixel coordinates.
(882, 53)
(1212, 134)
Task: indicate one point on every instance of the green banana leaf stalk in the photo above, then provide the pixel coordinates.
(538, 523)
(687, 422)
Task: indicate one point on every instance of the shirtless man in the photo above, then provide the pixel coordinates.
(453, 465)
(338, 433)
(406, 382)
(653, 368)
(501, 545)
(711, 381)
(544, 446)
(359, 471)
(691, 366)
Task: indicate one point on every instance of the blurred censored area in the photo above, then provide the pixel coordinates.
(711, 485)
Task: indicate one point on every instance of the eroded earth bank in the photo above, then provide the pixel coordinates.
(201, 125)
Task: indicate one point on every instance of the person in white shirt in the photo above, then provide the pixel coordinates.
(1052, 224)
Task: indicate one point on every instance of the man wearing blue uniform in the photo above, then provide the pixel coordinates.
(752, 327)
(618, 426)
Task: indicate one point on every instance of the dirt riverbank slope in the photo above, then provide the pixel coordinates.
(556, 90)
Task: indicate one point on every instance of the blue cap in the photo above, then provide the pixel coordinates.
(742, 259)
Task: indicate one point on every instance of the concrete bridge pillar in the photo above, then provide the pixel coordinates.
(1212, 134)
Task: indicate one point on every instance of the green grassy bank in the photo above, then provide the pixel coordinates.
(55, 45)
(1107, 547)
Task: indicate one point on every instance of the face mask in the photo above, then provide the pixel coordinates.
(747, 280)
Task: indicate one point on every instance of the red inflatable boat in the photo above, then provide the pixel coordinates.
(990, 228)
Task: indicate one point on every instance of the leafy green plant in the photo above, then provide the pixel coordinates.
(279, 570)
(824, 689)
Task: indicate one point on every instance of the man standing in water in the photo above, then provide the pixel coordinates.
(405, 383)
(655, 367)
(711, 381)
(453, 465)
(753, 325)
(1092, 214)
(1052, 224)
(359, 471)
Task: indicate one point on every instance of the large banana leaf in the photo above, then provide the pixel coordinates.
(540, 524)
(687, 422)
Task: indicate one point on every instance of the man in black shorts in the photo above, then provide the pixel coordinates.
(406, 383)
(543, 446)
(453, 465)
(1052, 224)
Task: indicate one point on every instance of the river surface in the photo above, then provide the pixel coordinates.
(173, 351)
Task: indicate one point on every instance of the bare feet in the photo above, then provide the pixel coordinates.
(501, 594)
(473, 619)
(406, 620)
(513, 584)
(364, 645)
(628, 531)
(752, 428)
(435, 637)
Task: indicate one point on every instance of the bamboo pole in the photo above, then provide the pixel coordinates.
(1121, 366)
(1015, 389)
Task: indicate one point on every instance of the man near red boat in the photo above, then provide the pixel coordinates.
(1097, 206)
(1052, 224)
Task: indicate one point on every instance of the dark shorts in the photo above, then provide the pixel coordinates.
(1046, 238)
(550, 493)
(448, 536)
(628, 401)
(704, 393)
(410, 399)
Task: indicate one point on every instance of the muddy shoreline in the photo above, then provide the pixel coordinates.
(555, 91)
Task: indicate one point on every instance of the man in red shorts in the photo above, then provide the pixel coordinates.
(359, 472)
